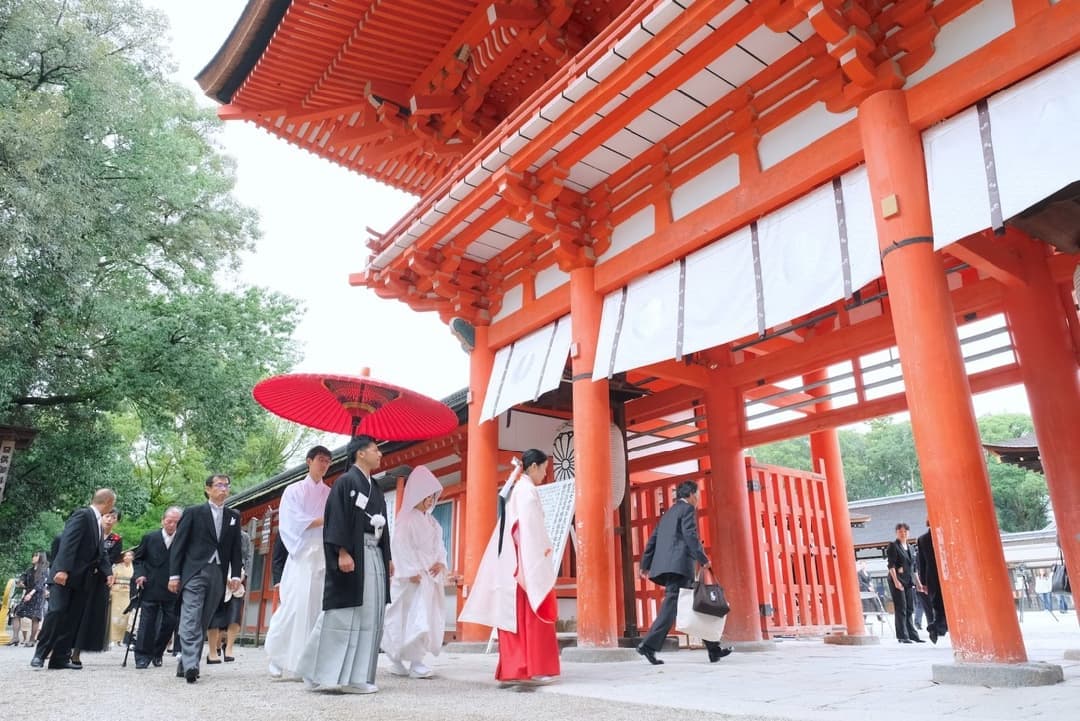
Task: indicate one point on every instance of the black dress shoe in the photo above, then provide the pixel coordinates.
(192, 675)
(141, 665)
(718, 652)
(229, 659)
(72, 665)
(649, 654)
(37, 662)
(212, 660)
(904, 640)
(918, 640)
(933, 637)
(156, 662)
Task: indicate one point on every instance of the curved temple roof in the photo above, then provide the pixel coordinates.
(398, 90)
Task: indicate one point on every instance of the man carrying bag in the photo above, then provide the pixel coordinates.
(668, 560)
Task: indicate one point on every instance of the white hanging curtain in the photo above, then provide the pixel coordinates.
(1008, 152)
(527, 368)
(812, 252)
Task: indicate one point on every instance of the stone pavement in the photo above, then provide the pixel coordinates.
(799, 679)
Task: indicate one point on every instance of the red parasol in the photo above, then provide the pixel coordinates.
(352, 405)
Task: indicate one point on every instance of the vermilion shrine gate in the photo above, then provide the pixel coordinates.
(731, 216)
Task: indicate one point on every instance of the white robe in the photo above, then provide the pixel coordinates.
(492, 599)
(415, 620)
(302, 581)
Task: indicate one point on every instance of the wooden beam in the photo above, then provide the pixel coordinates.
(677, 399)
(867, 410)
(666, 458)
(992, 255)
(845, 343)
(683, 373)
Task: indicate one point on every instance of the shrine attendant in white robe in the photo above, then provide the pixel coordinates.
(514, 589)
(300, 522)
(415, 619)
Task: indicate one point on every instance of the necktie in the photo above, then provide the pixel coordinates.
(217, 521)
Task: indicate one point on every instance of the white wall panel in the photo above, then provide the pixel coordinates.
(799, 132)
(511, 303)
(705, 186)
(633, 230)
(549, 279)
(965, 34)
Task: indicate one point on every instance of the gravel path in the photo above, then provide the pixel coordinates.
(104, 691)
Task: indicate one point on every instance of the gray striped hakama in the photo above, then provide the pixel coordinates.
(343, 648)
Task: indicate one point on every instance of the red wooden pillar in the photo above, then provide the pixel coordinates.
(1048, 366)
(481, 464)
(961, 509)
(596, 621)
(731, 527)
(825, 455)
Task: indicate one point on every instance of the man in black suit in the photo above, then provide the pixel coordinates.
(281, 557)
(80, 558)
(157, 604)
(902, 585)
(936, 623)
(668, 560)
(207, 543)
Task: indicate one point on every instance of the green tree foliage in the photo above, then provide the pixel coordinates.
(118, 235)
(1020, 496)
(882, 462)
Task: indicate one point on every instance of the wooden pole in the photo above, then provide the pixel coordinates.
(596, 622)
(481, 471)
(962, 518)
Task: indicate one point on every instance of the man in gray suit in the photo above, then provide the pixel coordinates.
(206, 543)
(668, 560)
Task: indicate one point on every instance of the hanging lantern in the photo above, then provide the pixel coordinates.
(562, 457)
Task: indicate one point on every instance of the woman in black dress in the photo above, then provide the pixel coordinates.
(32, 605)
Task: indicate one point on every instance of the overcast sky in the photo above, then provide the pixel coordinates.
(313, 214)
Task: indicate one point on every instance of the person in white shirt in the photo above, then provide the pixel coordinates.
(157, 604)
(300, 522)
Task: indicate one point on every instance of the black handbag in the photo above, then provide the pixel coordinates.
(709, 597)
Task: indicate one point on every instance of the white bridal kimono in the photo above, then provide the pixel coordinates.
(415, 620)
(301, 587)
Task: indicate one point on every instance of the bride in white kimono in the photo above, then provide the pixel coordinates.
(415, 620)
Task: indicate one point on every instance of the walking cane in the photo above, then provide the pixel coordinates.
(136, 604)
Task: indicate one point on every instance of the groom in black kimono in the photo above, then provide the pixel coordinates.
(357, 586)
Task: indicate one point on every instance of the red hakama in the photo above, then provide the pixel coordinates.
(533, 650)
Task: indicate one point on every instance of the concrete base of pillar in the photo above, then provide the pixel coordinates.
(1009, 675)
(1072, 654)
(842, 639)
(750, 646)
(579, 654)
(470, 647)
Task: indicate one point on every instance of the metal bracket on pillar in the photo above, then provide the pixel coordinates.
(766, 610)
